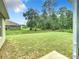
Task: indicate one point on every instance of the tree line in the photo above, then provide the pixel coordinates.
(49, 19)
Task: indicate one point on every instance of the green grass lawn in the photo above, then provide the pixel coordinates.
(27, 31)
(35, 45)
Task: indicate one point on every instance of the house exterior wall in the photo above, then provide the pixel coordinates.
(2, 32)
(0, 28)
(3, 15)
(3, 10)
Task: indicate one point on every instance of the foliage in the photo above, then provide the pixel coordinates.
(69, 16)
(49, 18)
(65, 20)
(32, 17)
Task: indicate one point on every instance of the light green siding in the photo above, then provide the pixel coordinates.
(2, 32)
(0, 27)
(3, 11)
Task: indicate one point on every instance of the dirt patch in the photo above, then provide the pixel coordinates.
(10, 51)
(7, 51)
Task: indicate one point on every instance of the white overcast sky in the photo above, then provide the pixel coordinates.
(15, 10)
(16, 5)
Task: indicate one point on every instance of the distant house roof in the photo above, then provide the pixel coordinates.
(11, 23)
(3, 11)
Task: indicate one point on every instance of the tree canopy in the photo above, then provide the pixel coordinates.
(49, 19)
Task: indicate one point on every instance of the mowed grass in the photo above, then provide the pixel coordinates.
(35, 45)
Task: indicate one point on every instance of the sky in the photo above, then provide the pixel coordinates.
(16, 8)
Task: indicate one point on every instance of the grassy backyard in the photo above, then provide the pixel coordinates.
(35, 45)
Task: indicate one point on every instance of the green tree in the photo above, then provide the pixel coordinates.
(47, 9)
(48, 6)
(65, 20)
(43, 21)
(69, 17)
(32, 17)
(62, 18)
(54, 21)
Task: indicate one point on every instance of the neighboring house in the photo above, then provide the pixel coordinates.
(10, 25)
